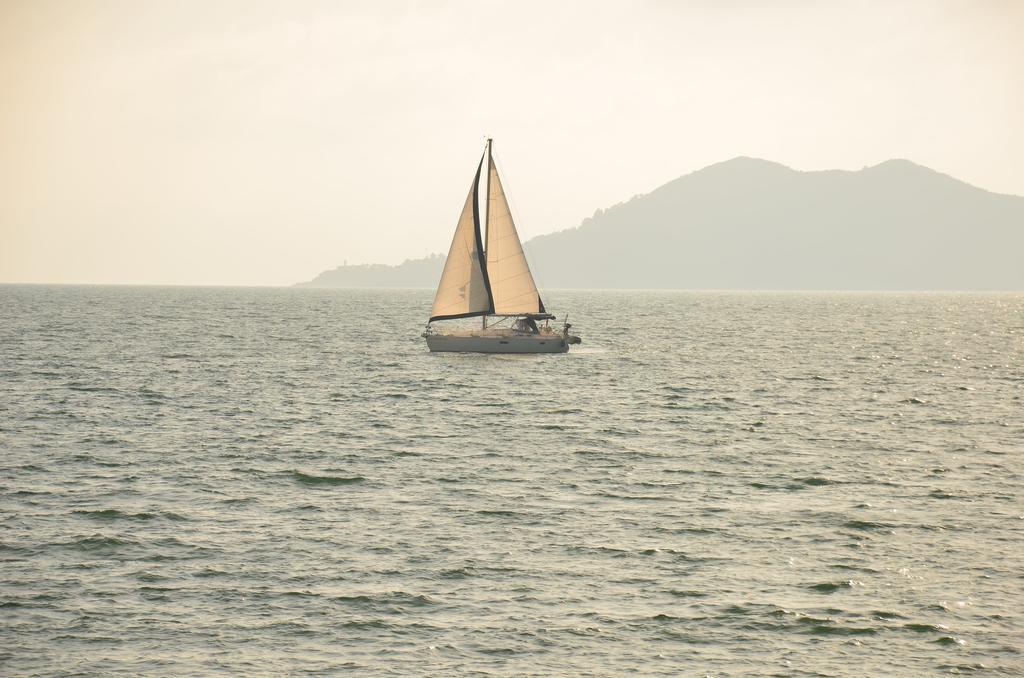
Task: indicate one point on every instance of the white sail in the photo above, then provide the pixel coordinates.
(512, 286)
(495, 280)
(463, 290)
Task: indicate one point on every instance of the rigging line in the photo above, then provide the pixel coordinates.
(514, 213)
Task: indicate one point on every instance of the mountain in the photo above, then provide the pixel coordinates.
(754, 224)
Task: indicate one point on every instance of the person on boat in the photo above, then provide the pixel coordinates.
(527, 325)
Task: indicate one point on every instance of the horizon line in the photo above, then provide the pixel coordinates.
(808, 290)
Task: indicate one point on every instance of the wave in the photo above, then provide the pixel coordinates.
(317, 480)
(98, 543)
(926, 628)
(116, 514)
(832, 587)
(366, 624)
(90, 388)
(834, 630)
(392, 601)
(687, 594)
(631, 497)
(815, 481)
(867, 525)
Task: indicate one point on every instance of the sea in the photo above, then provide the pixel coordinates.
(267, 481)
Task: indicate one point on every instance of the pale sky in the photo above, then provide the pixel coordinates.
(259, 143)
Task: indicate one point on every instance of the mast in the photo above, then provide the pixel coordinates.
(487, 210)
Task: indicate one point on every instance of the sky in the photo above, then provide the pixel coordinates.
(224, 142)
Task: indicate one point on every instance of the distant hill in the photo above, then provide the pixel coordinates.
(410, 273)
(753, 224)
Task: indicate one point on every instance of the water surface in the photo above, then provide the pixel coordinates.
(204, 480)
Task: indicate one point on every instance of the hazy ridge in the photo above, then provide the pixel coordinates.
(753, 224)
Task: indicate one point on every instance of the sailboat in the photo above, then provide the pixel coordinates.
(486, 275)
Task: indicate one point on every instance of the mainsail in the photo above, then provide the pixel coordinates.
(512, 286)
(464, 290)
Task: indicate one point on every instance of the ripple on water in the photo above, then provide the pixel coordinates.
(324, 480)
(249, 481)
(110, 515)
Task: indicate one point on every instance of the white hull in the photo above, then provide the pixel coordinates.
(481, 342)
